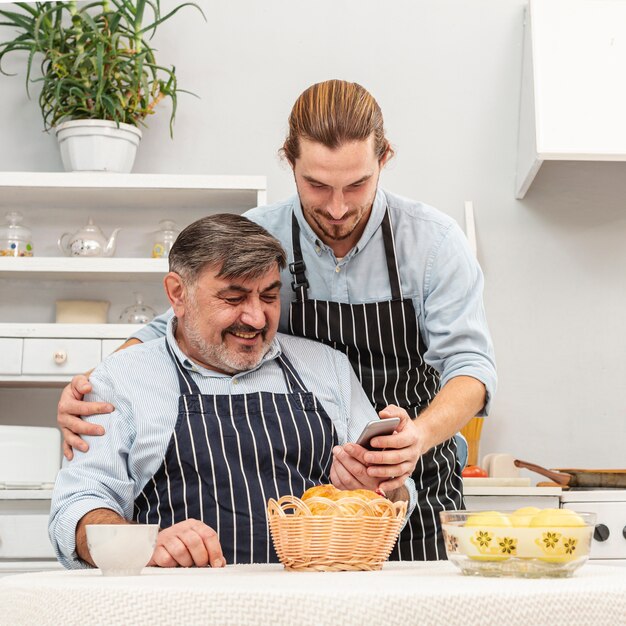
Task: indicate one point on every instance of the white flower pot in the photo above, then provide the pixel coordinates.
(97, 145)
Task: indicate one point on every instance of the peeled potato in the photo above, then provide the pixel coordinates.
(521, 518)
(556, 518)
(488, 518)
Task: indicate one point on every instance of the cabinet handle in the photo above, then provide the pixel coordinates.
(60, 356)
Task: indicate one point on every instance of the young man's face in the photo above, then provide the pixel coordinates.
(229, 324)
(337, 189)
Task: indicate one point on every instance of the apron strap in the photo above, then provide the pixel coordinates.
(186, 383)
(298, 269)
(390, 255)
(292, 378)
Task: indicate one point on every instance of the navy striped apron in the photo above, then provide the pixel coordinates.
(386, 350)
(230, 453)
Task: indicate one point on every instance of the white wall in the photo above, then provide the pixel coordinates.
(447, 76)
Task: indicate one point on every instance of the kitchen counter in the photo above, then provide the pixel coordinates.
(402, 593)
(512, 491)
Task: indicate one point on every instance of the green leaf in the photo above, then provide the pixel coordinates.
(173, 12)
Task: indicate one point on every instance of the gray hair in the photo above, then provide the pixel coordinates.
(234, 244)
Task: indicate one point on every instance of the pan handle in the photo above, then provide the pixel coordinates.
(557, 477)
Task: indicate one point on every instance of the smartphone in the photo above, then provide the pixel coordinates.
(377, 427)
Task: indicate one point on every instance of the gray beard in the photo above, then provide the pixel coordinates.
(219, 356)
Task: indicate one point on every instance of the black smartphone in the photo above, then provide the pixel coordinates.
(377, 427)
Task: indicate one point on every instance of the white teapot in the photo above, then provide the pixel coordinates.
(88, 241)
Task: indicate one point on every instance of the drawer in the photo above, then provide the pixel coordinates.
(25, 537)
(109, 346)
(60, 356)
(11, 355)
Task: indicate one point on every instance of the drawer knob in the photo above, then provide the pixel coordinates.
(601, 532)
(624, 532)
(60, 356)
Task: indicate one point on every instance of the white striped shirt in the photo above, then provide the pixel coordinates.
(142, 385)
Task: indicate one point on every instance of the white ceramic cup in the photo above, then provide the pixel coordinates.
(121, 549)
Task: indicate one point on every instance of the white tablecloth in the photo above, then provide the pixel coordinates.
(402, 593)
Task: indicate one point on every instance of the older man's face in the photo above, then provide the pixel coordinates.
(229, 324)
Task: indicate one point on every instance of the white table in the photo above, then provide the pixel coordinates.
(402, 593)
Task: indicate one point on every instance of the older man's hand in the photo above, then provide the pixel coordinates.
(186, 544)
(386, 468)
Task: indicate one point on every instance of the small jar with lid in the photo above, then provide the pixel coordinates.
(164, 239)
(15, 239)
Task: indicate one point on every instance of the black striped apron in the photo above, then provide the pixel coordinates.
(386, 350)
(230, 453)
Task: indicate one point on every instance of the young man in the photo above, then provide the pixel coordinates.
(220, 415)
(389, 281)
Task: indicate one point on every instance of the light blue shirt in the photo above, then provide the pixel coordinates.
(142, 385)
(438, 272)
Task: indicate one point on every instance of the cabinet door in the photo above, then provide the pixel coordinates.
(24, 537)
(109, 346)
(11, 355)
(60, 356)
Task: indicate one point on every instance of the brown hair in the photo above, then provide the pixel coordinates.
(238, 246)
(332, 113)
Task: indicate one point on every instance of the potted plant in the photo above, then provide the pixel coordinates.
(99, 76)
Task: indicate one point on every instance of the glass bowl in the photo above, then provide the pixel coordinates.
(527, 543)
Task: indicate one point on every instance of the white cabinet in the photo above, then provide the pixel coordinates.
(36, 353)
(60, 356)
(24, 543)
(53, 353)
(573, 95)
(11, 356)
(32, 348)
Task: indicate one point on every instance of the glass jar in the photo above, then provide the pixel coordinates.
(164, 239)
(138, 313)
(15, 239)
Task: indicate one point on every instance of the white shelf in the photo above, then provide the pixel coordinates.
(35, 382)
(57, 202)
(25, 494)
(572, 95)
(91, 190)
(69, 331)
(79, 268)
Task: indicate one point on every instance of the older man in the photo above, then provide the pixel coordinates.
(220, 414)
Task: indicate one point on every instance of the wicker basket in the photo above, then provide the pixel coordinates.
(352, 535)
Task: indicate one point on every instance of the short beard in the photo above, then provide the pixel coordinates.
(333, 236)
(218, 355)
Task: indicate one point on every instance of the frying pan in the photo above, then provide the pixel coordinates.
(603, 479)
